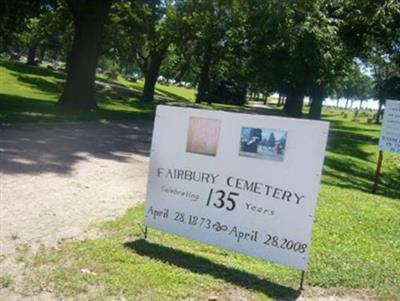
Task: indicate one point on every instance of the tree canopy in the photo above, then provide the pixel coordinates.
(226, 49)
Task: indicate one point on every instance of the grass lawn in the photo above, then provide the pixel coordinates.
(355, 247)
(356, 237)
(30, 93)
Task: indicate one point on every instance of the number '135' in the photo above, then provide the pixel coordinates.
(222, 200)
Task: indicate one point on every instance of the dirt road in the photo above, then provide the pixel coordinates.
(56, 179)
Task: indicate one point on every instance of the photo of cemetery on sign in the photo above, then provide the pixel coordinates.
(268, 144)
(203, 135)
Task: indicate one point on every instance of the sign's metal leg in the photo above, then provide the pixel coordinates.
(377, 172)
(145, 232)
(301, 281)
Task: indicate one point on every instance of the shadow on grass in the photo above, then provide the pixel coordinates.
(56, 147)
(350, 144)
(343, 125)
(354, 169)
(350, 174)
(246, 109)
(170, 95)
(201, 265)
(21, 68)
(15, 108)
(41, 84)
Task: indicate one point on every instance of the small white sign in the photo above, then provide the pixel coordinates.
(247, 183)
(390, 137)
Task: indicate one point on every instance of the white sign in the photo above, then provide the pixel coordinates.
(390, 137)
(247, 183)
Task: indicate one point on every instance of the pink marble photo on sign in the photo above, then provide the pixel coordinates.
(203, 135)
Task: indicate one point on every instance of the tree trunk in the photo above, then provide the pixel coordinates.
(55, 55)
(279, 100)
(204, 82)
(151, 75)
(5, 43)
(337, 103)
(294, 104)
(347, 104)
(265, 99)
(379, 113)
(316, 104)
(31, 54)
(89, 18)
(42, 53)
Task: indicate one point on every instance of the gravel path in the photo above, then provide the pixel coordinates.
(56, 179)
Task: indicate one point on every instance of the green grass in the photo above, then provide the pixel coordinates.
(162, 91)
(6, 281)
(355, 246)
(163, 268)
(30, 94)
(352, 155)
(356, 236)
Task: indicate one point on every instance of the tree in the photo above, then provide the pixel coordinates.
(204, 39)
(49, 31)
(302, 47)
(353, 85)
(271, 140)
(384, 54)
(295, 47)
(141, 31)
(31, 38)
(15, 16)
(372, 29)
(88, 19)
(56, 32)
(386, 82)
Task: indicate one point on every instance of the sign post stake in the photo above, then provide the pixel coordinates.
(301, 281)
(377, 172)
(144, 230)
